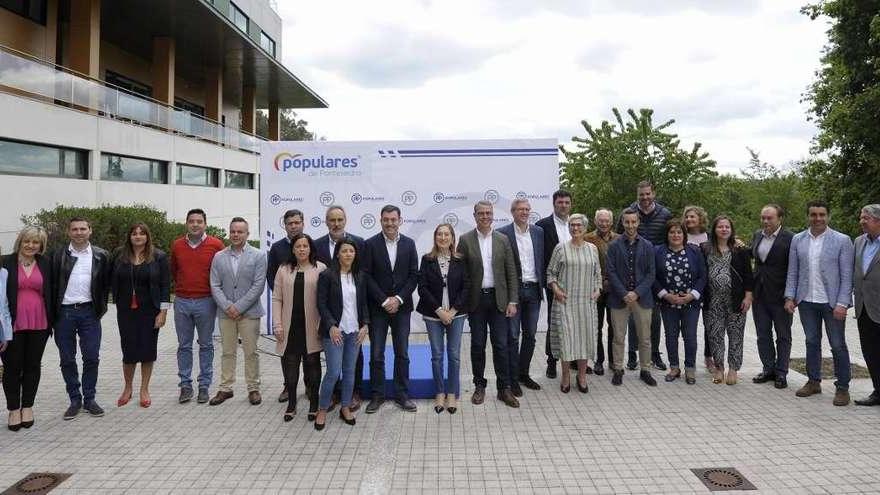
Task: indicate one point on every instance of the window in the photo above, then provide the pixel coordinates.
(127, 84)
(189, 106)
(238, 18)
(267, 43)
(191, 175)
(34, 159)
(34, 10)
(239, 180)
(128, 169)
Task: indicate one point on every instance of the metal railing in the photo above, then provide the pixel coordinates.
(26, 74)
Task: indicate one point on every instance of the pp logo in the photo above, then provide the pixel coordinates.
(451, 219)
(491, 196)
(368, 221)
(534, 216)
(408, 198)
(275, 199)
(356, 198)
(326, 198)
(316, 221)
(439, 197)
(522, 195)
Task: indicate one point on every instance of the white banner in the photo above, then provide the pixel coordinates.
(430, 181)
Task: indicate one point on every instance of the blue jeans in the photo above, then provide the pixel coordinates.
(452, 332)
(681, 321)
(526, 320)
(191, 315)
(485, 315)
(812, 315)
(83, 323)
(340, 362)
(770, 316)
(400, 324)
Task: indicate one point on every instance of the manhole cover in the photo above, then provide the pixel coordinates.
(36, 484)
(721, 479)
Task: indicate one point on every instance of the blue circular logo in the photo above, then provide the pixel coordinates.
(451, 219)
(356, 198)
(522, 195)
(491, 196)
(316, 221)
(439, 197)
(534, 217)
(275, 199)
(368, 221)
(326, 198)
(408, 198)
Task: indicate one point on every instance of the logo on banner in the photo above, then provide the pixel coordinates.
(326, 198)
(277, 199)
(451, 219)
(534, 216)
(525, 195)
(368, 221)
(440, 197)
(316, 221)
(316, 165)
(408, 198)
(491, 196)
(358, 198)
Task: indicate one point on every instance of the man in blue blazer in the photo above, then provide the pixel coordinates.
(527, 243)
(819, 284)
(392, 264)
(555, 228)
(326, 244)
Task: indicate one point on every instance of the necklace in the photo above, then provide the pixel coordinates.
(26, 263)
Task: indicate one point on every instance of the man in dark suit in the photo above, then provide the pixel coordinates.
(493, 298)
(555, 228)
(278, 254)
(392, 264)
(527, 244)
(770, 247)
(326, 244)
(866, 288)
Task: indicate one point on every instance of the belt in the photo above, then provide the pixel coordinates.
(87, 304)
(528, 285)
(488, 290)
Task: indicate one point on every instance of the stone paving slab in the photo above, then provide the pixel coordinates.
(628, 439)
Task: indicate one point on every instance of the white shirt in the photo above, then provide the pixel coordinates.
(561, 229)
(196, 244)
(391, 246)
(235, 259)
(526, 254)
(79, 284)
(349, 321)
(816, 288)
(766, 243)
(332, 244)
(486, 255)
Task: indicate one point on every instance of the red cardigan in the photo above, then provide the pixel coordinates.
(191, 268)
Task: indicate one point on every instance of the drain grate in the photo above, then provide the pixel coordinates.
(723, 479)
(36, 484)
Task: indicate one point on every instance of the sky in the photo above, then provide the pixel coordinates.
(731, 73)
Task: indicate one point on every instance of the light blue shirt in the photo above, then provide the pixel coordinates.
(5, 318)
(871, 247)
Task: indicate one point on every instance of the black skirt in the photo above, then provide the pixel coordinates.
(137, 333)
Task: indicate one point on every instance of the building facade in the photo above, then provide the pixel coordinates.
(138, 102)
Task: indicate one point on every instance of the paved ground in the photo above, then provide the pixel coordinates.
(631, 439)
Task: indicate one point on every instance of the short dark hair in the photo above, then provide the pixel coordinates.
(293, 213)
(238, 219)
(629, 211)
(390, 209)
(291, 258)
(561, 193)
(817, 203)
(197, 211)
(780, 211)
(78, 219)
(645, 183)
(673, 223)
(346, 241)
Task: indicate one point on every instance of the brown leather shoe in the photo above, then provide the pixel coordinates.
(841, 398)
(254, 397)
(506, 396)
(479, 396)
(220, 398)
(809, 388)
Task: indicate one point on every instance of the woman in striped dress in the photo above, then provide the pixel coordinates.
(575, 277)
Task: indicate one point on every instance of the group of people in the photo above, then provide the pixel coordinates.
(332, 293)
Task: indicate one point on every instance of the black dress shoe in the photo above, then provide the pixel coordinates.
(529, 383)
(374, 405)
(506, 396)
(871, 400)
(646, 377)
(659, 364)
(516, 389)
(780, 382)
(551, 370)
(407, 405)
(632, 364)
(764, 377)
(617, 379)
(599, 369)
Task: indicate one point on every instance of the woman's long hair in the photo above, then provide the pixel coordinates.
(291, 258)
(435, 251)
(354, 264)
(128, 248)
(713, 240)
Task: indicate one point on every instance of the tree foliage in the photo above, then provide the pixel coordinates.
(292, 128)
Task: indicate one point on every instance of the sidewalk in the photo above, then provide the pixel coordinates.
(628, 439)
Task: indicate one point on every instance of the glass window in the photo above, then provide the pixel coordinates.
(34, 10)
(192, 175)
(239, 180)
(34, 159)
(189, 106)
(128, 169)
(238, 18)
(130, 85)
(267, 43)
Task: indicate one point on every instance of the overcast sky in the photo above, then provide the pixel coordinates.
(731, 73)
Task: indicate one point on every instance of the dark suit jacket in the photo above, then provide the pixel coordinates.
(537, 235)
(431, 286)
(385, 281)
(322, 246)
(645, 272)
(62, 265)
(770, 275)
(551, 239)
(330, 300)
(279, 253)
(160, 280)
(44, 263)
(503, 269)
(741, 278)
(697, 267)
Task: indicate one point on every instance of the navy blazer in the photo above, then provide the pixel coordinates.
(537, 235)
(279, 253)
(383, 281)
(322, 246)
(44, 263)
(645, 272)
(160, 280)
(431, 286)
(330, 300)
(770, 274)
(697, 265)
(551, 238)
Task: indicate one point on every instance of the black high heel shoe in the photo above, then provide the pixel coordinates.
(583, 389)
(290, 412)
(565, 388)
(320, 426)
(16, 426)
(350, 422)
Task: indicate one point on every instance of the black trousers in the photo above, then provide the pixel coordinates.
(604, 314)
(21, 368)
(311, 366)
(869, 337)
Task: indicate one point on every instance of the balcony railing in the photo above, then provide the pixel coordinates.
(25, 74)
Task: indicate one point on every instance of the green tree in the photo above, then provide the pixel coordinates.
(292, 128)
(763, 183)
(845, 103)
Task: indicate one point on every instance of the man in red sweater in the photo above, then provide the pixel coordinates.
(194, 308)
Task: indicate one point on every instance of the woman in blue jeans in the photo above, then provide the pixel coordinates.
(680, 280)
(443, 286)
(342, 302)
